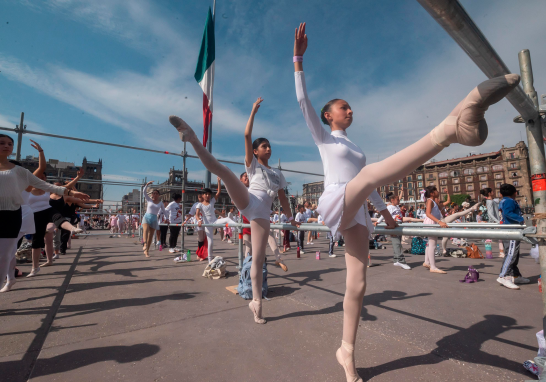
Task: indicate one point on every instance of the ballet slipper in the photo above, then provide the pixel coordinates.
(257, 312)
(466, 124)
(345, 362)
(282, 265)
(7, 287)
(46, 264)
(426, 265)
(184, 130)
(436, 270)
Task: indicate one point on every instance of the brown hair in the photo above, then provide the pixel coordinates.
(326, 108)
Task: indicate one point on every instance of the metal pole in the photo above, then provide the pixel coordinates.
(20, 137)
(537, 163)
(457, 23)
(182, 241)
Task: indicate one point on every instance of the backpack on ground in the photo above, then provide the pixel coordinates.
(474, 252)
(245, 283)
(215, 269)
(418, 246)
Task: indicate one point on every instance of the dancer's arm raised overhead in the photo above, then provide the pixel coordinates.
(79, 175)
(42, 164)
(219, 191)
(320, 135)
(145, 192)
(249, 151)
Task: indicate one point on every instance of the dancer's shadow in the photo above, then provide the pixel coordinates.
(464, 346)
(15, 370)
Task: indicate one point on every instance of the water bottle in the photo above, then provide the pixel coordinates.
(298, 253)
(375, 244)
(188, 255)
(317, 255)
(438, 250)
(488, 249)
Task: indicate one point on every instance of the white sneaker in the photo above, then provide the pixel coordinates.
(77, 230)
(522, 280)
(177, 249)
(229, 241)
(332, 255)
(402, 265)
(171, 250)
(55, 256)
(34, 272)
(302, 253)
(308, 243)
(507, 282)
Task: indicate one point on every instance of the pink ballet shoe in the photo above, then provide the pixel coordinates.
(257, 312)
(346, 362)
(184, 130)
(282, 265)
(426, 265)
(436, 270)
(469, 124)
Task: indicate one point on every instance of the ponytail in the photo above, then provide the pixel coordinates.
(429, 190)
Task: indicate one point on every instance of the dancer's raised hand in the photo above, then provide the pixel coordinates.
(150, 182)
(36, 146)
(300, 41)
(256, 105)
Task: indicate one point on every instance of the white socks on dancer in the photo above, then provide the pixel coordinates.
(466, 124)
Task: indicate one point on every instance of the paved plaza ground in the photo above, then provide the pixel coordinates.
(104, 312)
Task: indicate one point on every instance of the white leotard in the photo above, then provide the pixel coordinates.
(152, 208)
(342, 159)
(207, 212)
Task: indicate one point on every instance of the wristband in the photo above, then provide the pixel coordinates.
(297, 58)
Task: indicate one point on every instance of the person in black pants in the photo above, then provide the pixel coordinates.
(301, 218)
(162, 218)
(174, 216)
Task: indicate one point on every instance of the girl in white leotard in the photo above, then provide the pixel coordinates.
(349, 182)
(254, 203)
(149, 221)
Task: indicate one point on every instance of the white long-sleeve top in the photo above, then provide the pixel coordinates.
(342, 159)
(152, 208)
(13, 182)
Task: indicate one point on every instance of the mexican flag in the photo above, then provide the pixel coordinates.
(204, 73)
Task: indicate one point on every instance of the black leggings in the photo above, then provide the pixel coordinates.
(163, 234)
(41, 220)
(175, 231)
(10, 224)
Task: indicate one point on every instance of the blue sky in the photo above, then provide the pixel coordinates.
(114, 71)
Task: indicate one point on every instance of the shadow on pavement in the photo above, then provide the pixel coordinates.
(465, 346)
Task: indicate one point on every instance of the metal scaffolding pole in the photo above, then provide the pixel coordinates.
(182, 240)
(20, 130)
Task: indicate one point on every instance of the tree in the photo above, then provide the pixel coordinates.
(458, 199)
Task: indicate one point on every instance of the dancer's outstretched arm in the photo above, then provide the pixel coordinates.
(219, 191)
(42, 164)
(249, 152)
(79, 175)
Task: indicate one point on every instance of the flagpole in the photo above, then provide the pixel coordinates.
(209, 141)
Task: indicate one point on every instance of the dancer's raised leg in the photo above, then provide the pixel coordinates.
(465, 125)
(356, 260)
(236, 190)
(452, 218)
(260, 233)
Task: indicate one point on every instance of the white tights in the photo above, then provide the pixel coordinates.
(8, 247)
(272, 244)
(209, 232)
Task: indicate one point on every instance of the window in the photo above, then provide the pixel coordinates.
(516, 183)
(498, 184)
(512, 155)
(483, 185)
(454, 173)
(444, 190)
(469, 187)
(469, 179)
(443, 182)
(409, 178)
(383, 195)
(497, 167)
(456, 188)
(498, 176)
(443, 175)
(431, 184)
(455, 180)
(468, 171)
(483, 177)
(420, 184)
(431, 176)
(419, 177)
(514, 174)
(391, 188)
(410, 192)
(89, 187)
(382, 188)
(483, 169)
(513, 165)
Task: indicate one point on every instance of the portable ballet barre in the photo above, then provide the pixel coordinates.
(462, 225)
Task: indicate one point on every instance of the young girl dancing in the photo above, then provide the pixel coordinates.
(348, 181)
(453, 217)
(254, 202)
(149, 222)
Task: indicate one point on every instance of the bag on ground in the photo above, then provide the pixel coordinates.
(418, 246)
(245, 283)
(215, 269)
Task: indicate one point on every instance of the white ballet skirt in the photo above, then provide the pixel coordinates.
(331, 208)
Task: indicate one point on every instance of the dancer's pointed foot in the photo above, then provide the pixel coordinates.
(283, 266)
(7, 287)
(256, 308)
(345, 357)
(437, 270)
(466, 124)
(184, 130)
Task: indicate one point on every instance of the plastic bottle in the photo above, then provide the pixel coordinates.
(488, 249)
(317, 255)
(188, 256)
(298, 253)
(540, 283)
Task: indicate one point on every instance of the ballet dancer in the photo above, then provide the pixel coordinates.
(349, 182)
(14, 180)
(254, 202)
(149, 221)
(492, 205)
(200, 230)
(206, 214)
(452, 218)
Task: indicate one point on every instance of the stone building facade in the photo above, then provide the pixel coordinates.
(312, 192)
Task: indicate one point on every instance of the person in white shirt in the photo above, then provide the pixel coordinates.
(301, 217)
(255, 202)
(286, 233)
(348, 181)
(206, 214)
(394, 210)
(162, 218)
(191, 216)
(174, 216)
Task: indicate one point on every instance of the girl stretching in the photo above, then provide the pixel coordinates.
(348, 181)
(453, 217)
(149, 222)
(254, 202)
